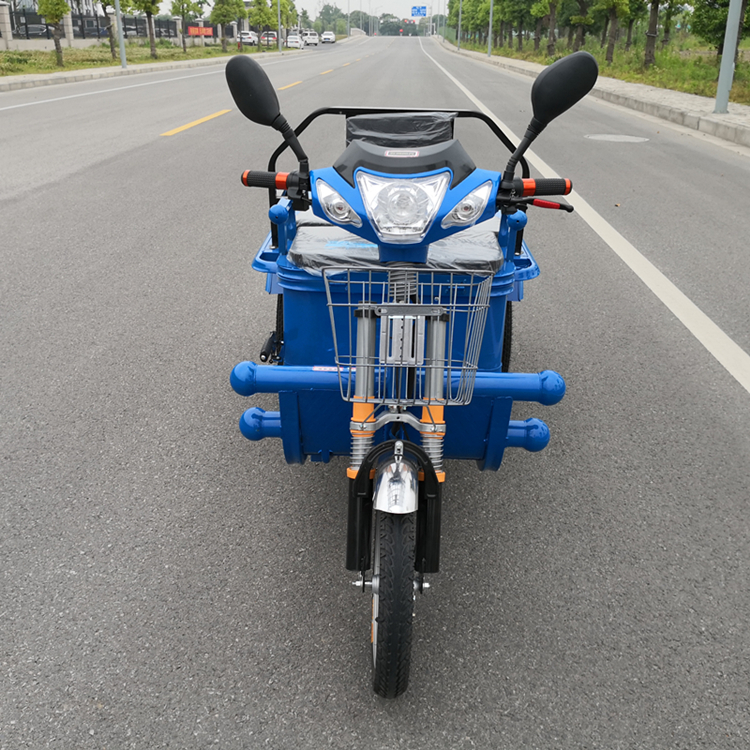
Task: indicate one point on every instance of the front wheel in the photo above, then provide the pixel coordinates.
(392, 601)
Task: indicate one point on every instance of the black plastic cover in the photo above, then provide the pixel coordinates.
(400, 130)
(404, 160)
(319, 245)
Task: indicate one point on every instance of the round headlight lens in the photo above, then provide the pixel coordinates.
(469, 208)
(334, 206)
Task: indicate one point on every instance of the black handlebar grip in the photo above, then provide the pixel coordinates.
(543, 186)
(264, 179)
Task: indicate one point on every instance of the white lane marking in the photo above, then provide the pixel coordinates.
(731, 356)
(123, 88)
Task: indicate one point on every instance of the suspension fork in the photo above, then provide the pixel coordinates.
(364, 456)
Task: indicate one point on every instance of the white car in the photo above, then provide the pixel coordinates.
(294, 41)
(248, 37)
(327, 36)
(310, 37)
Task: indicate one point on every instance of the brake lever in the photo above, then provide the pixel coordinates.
(551, 204)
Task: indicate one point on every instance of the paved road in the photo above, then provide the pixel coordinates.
(168, 584)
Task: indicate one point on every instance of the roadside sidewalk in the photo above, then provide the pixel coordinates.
(688, 110)
(13, 83)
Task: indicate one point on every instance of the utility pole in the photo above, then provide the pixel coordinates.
(460, 11)
(489, 33)
(121, 34)
(726, 72)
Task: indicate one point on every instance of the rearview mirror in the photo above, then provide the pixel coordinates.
(252, 92)
(558, 87)
(555, 90)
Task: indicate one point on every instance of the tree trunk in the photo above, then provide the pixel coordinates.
(571, 31)
(653, 23)
(151, 35)
(579, 37)
(520, 36)
(223, 37)
(604, 33)
(111, 33)
(537, 34)
(57, 33)
(184, 34)
(612, 34)
(743, 10)
(667, 23)
(629, 42)
(551, 36)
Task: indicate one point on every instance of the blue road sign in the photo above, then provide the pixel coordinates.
(419, 10)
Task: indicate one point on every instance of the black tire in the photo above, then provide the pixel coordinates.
(507, 337)
(392, 601)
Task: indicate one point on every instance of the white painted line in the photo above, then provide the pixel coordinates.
(731, 356)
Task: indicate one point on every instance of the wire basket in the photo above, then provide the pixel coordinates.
(407, 336)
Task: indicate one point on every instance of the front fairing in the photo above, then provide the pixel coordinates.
(414, 252)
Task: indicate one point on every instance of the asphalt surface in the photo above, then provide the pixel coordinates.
(166, 583)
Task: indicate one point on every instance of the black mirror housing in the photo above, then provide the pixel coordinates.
(252, 91)
(561, 85)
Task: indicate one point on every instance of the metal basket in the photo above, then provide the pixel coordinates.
(412, 336)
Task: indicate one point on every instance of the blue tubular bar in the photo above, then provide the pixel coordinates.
(533, 434)
(248, 378)
(256, 424)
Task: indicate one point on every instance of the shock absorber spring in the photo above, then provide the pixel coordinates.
(361, 446)
(433, 447)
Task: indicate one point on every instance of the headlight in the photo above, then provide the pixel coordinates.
(401, 211)
(469, 209)
(334, 206)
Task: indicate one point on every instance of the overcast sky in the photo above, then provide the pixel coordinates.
(400, 8)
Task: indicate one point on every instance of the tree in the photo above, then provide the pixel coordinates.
(328, 16)
(581, 21)
(110, 26)
(672, 9)
(53, 12)
(150, 8)
(260, 15)
(541, 11)
(637, 10)
(653, 24)
(709, 22)
(224, 12)
(185, 9)
(614, 10)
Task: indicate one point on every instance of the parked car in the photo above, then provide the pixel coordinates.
(248, 37)
(33, 30)
(327, 36)
(310, 37)
(268, 37)
(294, 41)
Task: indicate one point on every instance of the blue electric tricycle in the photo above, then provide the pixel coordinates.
(395, 271)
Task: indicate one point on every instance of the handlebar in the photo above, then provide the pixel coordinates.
(275, 180)
(524, 187)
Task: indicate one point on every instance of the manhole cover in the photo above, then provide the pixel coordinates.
(617, 138)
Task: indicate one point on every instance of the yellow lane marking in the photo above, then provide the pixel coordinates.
(345, 64)
(358, 59)
(296, 83)
(197, 122)
(327, 71)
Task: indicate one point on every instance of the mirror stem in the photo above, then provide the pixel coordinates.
(535, 127)
(290, 137)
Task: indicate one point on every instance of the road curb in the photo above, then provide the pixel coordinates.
(688, 110)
